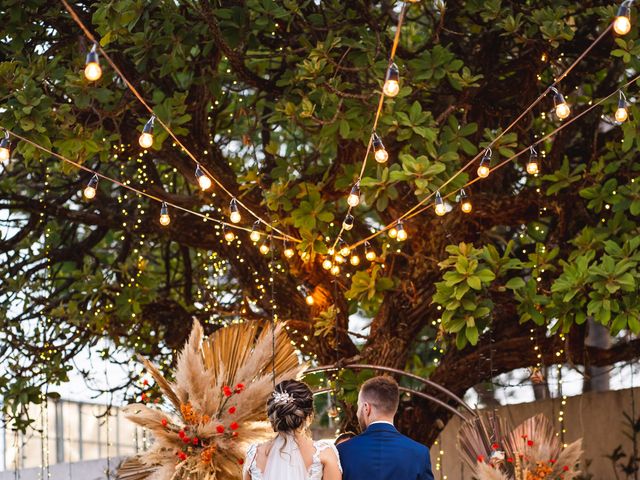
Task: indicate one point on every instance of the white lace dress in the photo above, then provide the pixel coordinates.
(285, 461)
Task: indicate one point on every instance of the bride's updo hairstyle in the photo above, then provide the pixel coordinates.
(289, 406)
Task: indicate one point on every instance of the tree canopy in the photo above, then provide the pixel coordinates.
(276, 100)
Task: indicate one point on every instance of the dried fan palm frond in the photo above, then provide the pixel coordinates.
(222, 384)
(570, 457)
(478, 436)
(536, 439)
(487, 472)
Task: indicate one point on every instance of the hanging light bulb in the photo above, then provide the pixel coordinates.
(484, 169)
(264, 248)
(344, 248)
(255, 234)
(229, 236)
(92, 188)
(355, 260)
(5, 148)
(402, 233)
(92, 69)
(146, 137)
(622, 113)
(562, 107)
(203, 180)
(348, 222)
(391, 86)
(379, 152)
(339, 258)
(335, 270)
(622, 23)
(354, 197)
(370, 253)
(441, 208)
(234, 214)
(309, 299)
(165, 219)
(327, 264)
(288, 251)
(533, 165)
(393, 232)
(465, 202)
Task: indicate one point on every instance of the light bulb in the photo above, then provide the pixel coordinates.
(309, 299)
(327, 264)
(234, 215)
(229, 236)
(355, 260)
(402, 233)
(264, 248)
(370, 255)
(380, 153)
(339, 258)
(203, 180)
(393, 232)
(441, 208)
(255, 234)
(91, 188)
(532, 166)
(354, 196)
(622, 23)
(392, 81)
(622, 114)
(288, 252)
(335, 270)
(562, 108)
(92, 69)
(484, 169)
(5, 148)
(465, 203)
(331, 251)
(348, 222)
(146, 137)
(165, 219)
(345, 251)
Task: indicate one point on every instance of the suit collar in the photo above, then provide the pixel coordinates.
(380, 427)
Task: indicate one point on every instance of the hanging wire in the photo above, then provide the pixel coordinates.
(272, 273)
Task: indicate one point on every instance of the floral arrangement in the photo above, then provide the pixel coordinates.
(218, 398)
(531, 451)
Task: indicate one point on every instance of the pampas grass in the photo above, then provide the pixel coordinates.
(222, 384)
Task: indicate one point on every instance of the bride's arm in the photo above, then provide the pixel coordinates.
(330, 462)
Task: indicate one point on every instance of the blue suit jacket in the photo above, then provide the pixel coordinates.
(383, 453)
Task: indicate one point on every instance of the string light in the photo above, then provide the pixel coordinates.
(92, 69)
(355, 260)
(288, 251)
(91, 189)
(533, 165)
(165, 219)
(402, 233)
(440, 207)
(354, 197)
(335, 270)
(622, 23)
(229, 236)
(255, 233)
(370, 253)
(339, 258)
(622, 114)
(264, 248)
(465, 202)
(391, 86)
(5, 148)
(484, 169)
(393, 232)
(234, 216)
(203, 180)
(146, 137)
(327, 264)
(348, 222)
(344, 248)
(562, 107)
(380, 153)
(309, 299)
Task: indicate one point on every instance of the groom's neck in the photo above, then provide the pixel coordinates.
(382, 418)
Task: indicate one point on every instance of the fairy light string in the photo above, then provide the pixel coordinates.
(141, 99)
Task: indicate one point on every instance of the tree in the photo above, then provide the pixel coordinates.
(276, 99)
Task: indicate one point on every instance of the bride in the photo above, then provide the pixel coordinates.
(292, 454)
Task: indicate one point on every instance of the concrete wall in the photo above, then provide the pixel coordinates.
(597, 418)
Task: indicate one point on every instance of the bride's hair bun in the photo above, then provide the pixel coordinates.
(289, 406)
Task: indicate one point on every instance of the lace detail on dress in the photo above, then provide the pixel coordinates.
(250, 463)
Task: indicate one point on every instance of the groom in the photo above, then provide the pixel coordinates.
(381, 452)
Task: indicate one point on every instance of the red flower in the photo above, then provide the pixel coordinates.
(220, 429)
(232, 410)
(495, 446)
(552, 461)
(157, 400)
(234, 425)
(181, 434)
(565, 469)
(524, 437)
(234, 434)
(144, 397)
(164, 422)
(241, 461)
(195, 440)
(145, 382)
(510, 460)
(227, 391)
(480, 458)
(239, 387)
(530, 443)
(186, 439)
(182, 456)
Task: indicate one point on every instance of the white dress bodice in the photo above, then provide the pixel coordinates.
(287, 463)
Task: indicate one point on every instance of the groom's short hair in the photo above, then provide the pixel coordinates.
(382, 392)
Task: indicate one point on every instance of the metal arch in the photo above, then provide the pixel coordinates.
(411, 392)
(453, 396)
